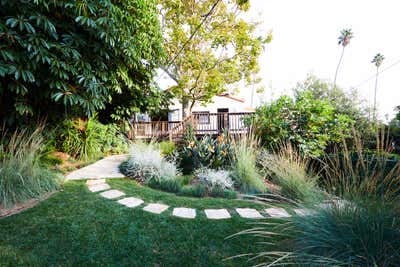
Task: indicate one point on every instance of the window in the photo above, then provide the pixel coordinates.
(202, 117)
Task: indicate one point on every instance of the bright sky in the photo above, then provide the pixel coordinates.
(305, 36)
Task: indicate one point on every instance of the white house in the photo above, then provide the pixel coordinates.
(223, 112)
(224, 103)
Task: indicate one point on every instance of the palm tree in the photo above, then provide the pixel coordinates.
(377, 60)
(344, 39)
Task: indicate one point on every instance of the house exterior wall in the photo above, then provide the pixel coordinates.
(219, 102)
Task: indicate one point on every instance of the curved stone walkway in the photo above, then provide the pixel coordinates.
(100, 186)
(109, 168)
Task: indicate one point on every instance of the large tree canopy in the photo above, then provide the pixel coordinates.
(77, 57)
(210, 46)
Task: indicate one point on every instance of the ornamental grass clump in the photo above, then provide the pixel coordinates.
(146, 163)
(360, 226)
(291, 171)
(21, 175)
(244, 170)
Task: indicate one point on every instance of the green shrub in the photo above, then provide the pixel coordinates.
(230, 194)
(167, 148)
(290, 171)
(197, 190)
(244, 169)
(311, 124)
(168, 185)
(21, 176)
(89, 139)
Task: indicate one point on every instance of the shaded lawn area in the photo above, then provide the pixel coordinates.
(78, 228)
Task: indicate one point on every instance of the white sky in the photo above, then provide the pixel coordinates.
(305, 36)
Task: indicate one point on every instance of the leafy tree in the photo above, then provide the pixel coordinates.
(346, 103)
(344, 39)
(77, 57)
(377, 61)
(309, 123)
(209, 46)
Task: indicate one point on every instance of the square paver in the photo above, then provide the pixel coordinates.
(184, 213)
(304, 212)
(98, 187)
(217, 214)
(110, 194)
(95, 182)
(249, 213)
(277, 213)
(131, 202)
(156, 208)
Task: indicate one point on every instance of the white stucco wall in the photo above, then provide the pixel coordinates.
(218, 102)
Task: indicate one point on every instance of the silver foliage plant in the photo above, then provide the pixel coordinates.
(146, 162)
(213, 178)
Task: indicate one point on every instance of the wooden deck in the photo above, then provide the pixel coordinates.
(203, 123)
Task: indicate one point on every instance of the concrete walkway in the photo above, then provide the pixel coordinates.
(104, 168)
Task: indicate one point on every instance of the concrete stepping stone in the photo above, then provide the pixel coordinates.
(98, 187)
(217, 214)
(111, 194)
(95, 182)
(184, 213)
(249, 213)
(131, 202)
(156, 208)
(304, 212)
(277, 213)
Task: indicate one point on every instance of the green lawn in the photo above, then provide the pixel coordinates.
(78, 228)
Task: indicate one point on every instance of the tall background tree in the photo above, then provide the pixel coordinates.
(209, 46)
(74, 58)
(344, 39)
(377, 61)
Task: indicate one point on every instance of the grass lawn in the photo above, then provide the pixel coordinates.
(78, 228)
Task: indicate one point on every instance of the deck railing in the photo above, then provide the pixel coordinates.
(202, 122)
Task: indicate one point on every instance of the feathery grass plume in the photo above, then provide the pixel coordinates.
(21, 176)
(291, 171)
(359, 227)
(244, 169)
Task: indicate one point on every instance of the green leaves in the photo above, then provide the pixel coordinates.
(310, 123)
(207, 56)
(68, 56)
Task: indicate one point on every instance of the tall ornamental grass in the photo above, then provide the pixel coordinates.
(244, 170)
(21, 175)
(360, 226)
(291, 171)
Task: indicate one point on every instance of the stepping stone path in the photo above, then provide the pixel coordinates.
(111, 194)
(249, 213)
(217, 214)
(187, 213)
(277, 213)
(100, 185)
(156, 208)
(131, 202)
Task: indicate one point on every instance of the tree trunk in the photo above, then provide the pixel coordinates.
(376, 88)
(186, 110)
(337, 68)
